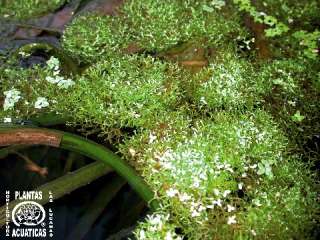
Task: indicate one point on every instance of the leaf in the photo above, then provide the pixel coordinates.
(297, 117)
(206, 8)
(261, 169)
(268, 170)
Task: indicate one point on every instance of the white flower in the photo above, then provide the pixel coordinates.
(152, 138)
(244, 175)
(217, 202)
(12, 96)
(168, 236)
(256, 202)
(41, 102)
(184, 197)
(240, 185)
(218, 4)
(155, 220)
(135, 115)
(203, 100)
(53, 80)
(253, 166)
(53, 63)
(60, 81)
(7, 120)
(142, 235)
(195, 213)
(216, 192)
(226, 193)
(253, 232)
(196, 183)
(132, 152)
(65, 83)
(171, 192)
(230, 208)
(232, 220)
(201, 208)
(203, 176)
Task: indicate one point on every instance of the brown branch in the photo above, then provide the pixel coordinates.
(30, 137)
(32, 166)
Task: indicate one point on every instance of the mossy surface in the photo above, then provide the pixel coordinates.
(24, 9)
(151, 26)
(93, 37)
(202, 172)
(230, 83)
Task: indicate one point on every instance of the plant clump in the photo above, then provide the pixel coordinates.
(150, 26)
(23, 9)
(91, 37)
(230, 83)
(135, 90)
(223, 148)
(127, 92)
(206, 175)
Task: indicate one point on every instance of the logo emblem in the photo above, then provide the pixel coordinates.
(28, 213)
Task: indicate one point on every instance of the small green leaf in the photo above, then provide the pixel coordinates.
(207, 8)
(297, 117)
(261, 169)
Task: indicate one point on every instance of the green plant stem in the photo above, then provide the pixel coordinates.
(72, 142)
(63, 185)
(71, 158)
(95, 151)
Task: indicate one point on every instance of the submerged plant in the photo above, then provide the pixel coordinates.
(219, 147)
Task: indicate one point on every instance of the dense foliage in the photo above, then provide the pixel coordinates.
(224, 148)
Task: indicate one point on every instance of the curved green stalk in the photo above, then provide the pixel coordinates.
(30, 135)
(95, 151)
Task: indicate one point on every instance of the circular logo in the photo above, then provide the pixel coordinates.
(28, 213)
